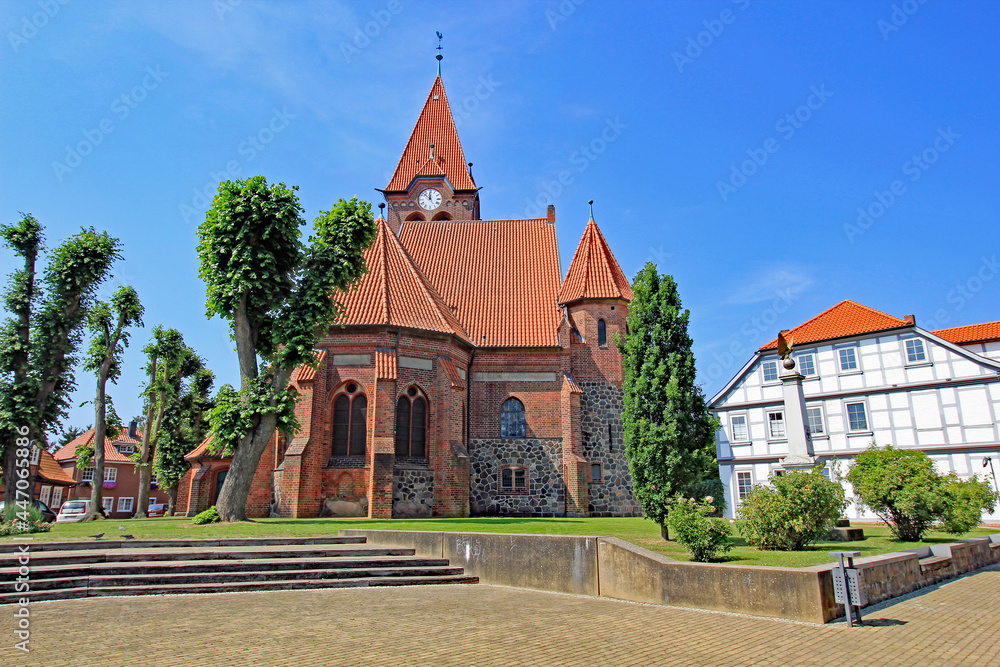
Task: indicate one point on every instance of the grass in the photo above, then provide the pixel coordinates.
(635, 530)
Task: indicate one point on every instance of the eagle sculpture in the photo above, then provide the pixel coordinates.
(785, 349)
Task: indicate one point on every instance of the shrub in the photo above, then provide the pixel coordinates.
(711, 490)
(20, 521)
(700, 534)
(796, 509)
(904, 490)
(208, 516)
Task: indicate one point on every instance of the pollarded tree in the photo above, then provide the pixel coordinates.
(669, 433)
(277, 294)
(181, 431)
(108, 324)
(39, 340)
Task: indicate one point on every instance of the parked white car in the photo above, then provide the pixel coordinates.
(72, 510)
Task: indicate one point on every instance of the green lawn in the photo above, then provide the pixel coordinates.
(636, 530)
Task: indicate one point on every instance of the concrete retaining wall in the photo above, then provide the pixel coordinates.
(609, 567)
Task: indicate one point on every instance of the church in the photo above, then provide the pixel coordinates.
(467, 377)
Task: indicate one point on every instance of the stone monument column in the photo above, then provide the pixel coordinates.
(800, 450)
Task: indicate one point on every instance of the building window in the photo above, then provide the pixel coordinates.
(110, 474)
(107, 503)
(57, 492)
(596, 475)
(776, 425)
(848, 359)
(87, 475)
(36, 455)
(739, 427)
(411, 425)
(807, 365)
(770, 371)
(45, 494)
(744, 482)
(350, 422)
(915, 351)
(814, 420)
(125, 504)
(512, 422)
(857, 420)
(514, 480)
(126, 449)
(602, 334)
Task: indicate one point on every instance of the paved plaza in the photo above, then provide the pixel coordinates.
(955, 623)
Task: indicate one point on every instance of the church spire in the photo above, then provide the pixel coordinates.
(439, 56)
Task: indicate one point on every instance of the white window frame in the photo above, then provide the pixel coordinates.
(87, 474)
(737, 497)
(45, 493)
(847, 418)
(763, 372)
(856, 351)
(110, 474)
(812, 360)
(126, 449)
(746, 427)
(108, 503)
(122, 502)
(822, 419)
(36, 455)
(767, 425)
(57, 493)
(926, 361)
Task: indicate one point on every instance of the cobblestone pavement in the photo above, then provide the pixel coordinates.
(956, 623)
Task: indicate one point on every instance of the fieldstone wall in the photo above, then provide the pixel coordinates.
(542, 458)
(600, 408)
(412, 492)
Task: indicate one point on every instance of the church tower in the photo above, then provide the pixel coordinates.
(432, 180)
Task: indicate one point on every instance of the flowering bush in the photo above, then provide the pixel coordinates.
(796, 509)
(19, 521)
(705, 537)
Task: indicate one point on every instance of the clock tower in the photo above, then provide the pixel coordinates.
(432, 181)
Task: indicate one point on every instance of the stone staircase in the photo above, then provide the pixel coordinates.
(63, 570)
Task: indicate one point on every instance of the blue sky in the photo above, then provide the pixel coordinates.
(775, 157)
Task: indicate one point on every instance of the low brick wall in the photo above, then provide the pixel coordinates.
(609, 567)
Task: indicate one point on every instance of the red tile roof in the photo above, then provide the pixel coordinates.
(594, 273)
(386, 366)
(847, 318)
(500, 276)
(201, 451)
(435, 125)
(452, 372)
(307, 373)
(50, 471)
(972, 333)
(395, 292)
(111, 453)
(571, 384)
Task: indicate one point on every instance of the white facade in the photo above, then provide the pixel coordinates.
(905, 387)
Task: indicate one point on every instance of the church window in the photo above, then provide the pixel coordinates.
(512, 422)
(415, 216)
(442, 216)
(514, 479)
(602, 333)
(596, 474)
(350, 422)
(411, 425)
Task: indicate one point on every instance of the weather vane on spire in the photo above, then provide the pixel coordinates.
(439, 56)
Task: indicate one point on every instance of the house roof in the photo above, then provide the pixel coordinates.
(395, 292)
(111, 453)
(847, 318)
(594, 273)
(201, 451)
(972, 333)
(50, 470)
(500, 277)
(435, 125)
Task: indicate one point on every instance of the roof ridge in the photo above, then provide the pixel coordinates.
(844, 331)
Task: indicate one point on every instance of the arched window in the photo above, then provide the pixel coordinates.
(442, 216)
(350, 422)
(602, 333)
(415, 216)
(411, 425)
(512, 424)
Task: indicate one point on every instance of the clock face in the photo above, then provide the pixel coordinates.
(429, 199)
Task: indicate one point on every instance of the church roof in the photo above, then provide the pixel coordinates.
(394, 292)
(847, 318)
(435, 125)
(501, 277)
(972, 333)
(594, 273)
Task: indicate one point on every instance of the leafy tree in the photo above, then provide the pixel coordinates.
(277, 294)
(704, 536)
(39, 340)
(903, 489)
(795, 509)
(108, 324)
(669, 433)
(70, 434)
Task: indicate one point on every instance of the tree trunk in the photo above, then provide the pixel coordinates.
(11, 471)
(232, 503)
(100, 431)
(172, 502)
(665, 532)
(140, 510)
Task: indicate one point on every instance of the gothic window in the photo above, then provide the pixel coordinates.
(442, 216)
(350, 422)
(602, 333)
(514, 479)
(512, 422)
(415, 216)
(411, 425)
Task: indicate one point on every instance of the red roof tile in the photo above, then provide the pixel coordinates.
(435, 125)
(594, 273)
(972, 333)
(452, 372)
(500, 276)
(395, 292)
(111, 453)
(571, 384)
(847, 318)
(386, 367)
(202, 452)
(50, 470)
(306, 373)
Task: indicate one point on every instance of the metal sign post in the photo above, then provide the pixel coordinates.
(847, 585)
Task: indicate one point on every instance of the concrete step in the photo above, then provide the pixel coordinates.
(267, 575)
(113, 540)
(843, 523)
(849, 534)
(199, 553)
